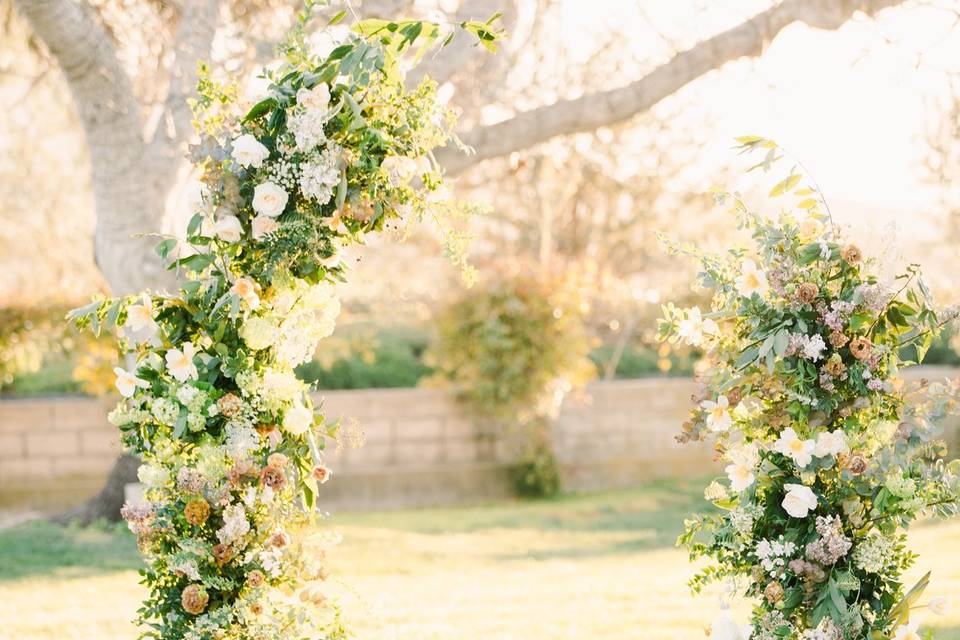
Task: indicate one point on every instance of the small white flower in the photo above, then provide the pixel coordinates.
(939, 605)
(790, 445)
(908, 632)
(246, 290)
(248, 152)
(831, 443)
(751, 280)
(741, 476)
(724, 627)
(744, 460)
(228, 229)
(799, 501)
(180, 363)
(297, 419)
(127, 382)
(693, 328)
(269, 199)
(718, 414)
(140, 321)
(262, 226)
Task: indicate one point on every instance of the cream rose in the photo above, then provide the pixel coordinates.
(248, 152)
(228, 229)
(269, 199)
(262, 226)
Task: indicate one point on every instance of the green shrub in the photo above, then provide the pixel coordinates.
(512, 349)
(391, 358)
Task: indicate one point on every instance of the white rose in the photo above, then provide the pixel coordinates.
(297, 420)
(269, 199)
(799, 501)
(317, 98)
(228, 229)
(262, 226)
(248, 152)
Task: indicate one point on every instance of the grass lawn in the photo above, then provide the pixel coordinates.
(598, 566)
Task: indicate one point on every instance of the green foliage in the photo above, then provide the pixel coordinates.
(391, 358)
(537, 473)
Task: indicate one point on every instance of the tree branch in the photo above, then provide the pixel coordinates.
(194, 36)
(606, 108)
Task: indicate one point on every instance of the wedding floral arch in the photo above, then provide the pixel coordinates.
(231, 443)
(829, 454)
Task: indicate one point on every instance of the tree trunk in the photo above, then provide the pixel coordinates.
(131, 176)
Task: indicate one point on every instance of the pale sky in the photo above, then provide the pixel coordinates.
(851, 104)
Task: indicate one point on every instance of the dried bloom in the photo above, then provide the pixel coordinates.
(256, 578)
(321, 473)
(265, 429)
(256, 608)
(196, 511)
(240, 470)
(279, 539)
(774, 592)
(851, 254)
(856, 464)
(230, 405)
(273, 477)
(807, 292)
(835, 367)
(222, 553)
(838, 339)
(194, 599)
(861, 348)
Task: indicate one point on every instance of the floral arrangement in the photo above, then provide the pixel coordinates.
(829, 454)
(231, 443)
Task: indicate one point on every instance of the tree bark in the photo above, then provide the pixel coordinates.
(607, 108)
(131, 176)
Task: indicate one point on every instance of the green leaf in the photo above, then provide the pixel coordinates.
(164, 247)
(900, 614)
(260, 109)
(337, 18)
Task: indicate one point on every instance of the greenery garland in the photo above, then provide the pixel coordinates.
(231, 443)
(829, 454)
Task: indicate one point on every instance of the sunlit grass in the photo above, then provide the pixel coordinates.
(600, 566)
